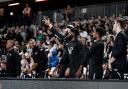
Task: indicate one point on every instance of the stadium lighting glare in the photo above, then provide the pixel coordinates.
(40, 0)
(11, 13)
(13, 4)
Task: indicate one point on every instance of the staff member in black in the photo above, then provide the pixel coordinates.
(12, 61)
(118, 62)
(75, 54)
(73, 51)
(39, 57)
(96, 55)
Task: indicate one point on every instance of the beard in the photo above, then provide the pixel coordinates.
(66, 33)
(68, 38)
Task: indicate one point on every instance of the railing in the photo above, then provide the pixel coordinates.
(62, 84)
(108, 9)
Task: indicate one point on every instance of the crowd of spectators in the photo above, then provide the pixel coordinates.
(93, 48)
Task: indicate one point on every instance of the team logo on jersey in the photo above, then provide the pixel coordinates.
(36, 53)
(70, 50)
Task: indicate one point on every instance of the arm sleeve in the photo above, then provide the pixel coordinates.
(65, 59)
(92, 49)
(84, 55)
(61, 37)
(118, 47)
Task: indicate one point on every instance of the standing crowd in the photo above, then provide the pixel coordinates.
(85, 49)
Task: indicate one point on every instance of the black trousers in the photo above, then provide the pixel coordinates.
(95, 72)
(62, 71)
(115, 74)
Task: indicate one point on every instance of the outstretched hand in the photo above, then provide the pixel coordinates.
(48, 23)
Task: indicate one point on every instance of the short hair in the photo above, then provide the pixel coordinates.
(32, 40)
(74, 30)
(100, 31)
(11, 41)
(121, 21)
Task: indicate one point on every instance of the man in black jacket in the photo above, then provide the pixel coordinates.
(13, 60)
(96, 55)
(75, 55)
(73, 51)
(118, 62)
(40, 59)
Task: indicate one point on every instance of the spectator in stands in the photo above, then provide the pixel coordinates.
(68, 11)
(27, 14)
(23, 34)
(11, 33)
(26, 64)
(53, 60)
(56, 33)
(40, 37)
(3, 66)
(13, 60)
(3, 47)
(83, 39)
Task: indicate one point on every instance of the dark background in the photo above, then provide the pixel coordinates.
(56, 4)
(46, 5)
(49, 5)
